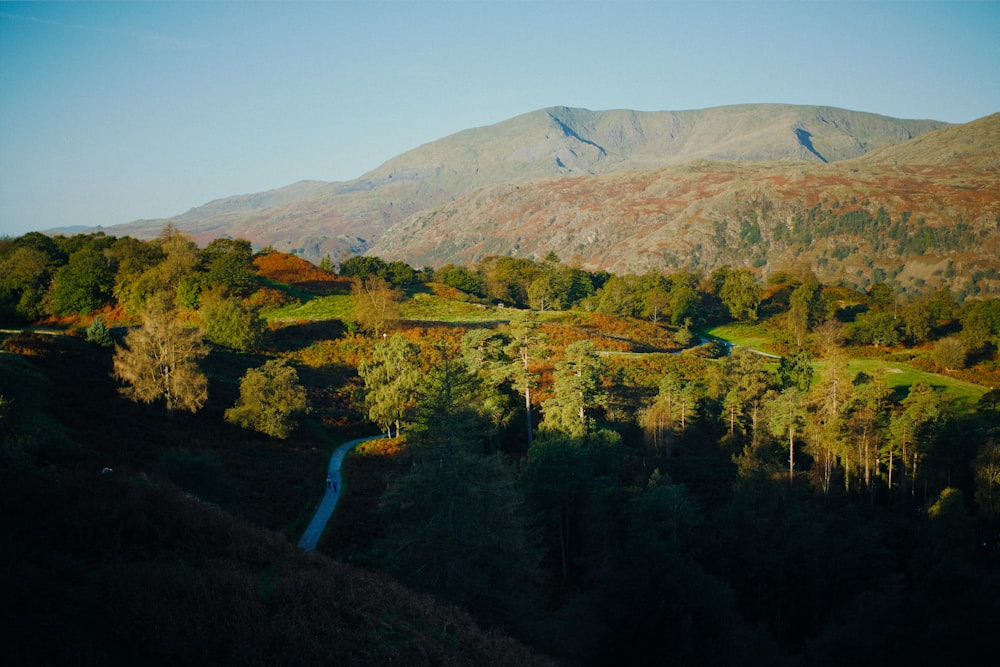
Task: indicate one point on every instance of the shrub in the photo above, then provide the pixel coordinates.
(270, 399)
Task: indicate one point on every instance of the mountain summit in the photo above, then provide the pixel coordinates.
(315, 219)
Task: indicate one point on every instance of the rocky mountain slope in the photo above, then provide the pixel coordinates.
(315, 219)
(922, 212)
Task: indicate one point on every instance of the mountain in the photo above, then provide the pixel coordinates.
(315, 219)
(921, 212)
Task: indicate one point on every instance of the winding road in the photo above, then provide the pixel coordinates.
(325, 510)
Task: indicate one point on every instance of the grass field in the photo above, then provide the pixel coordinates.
(900, 377)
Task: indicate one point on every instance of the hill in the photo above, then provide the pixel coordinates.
(176, 555)
(315, 219)
(920, 212)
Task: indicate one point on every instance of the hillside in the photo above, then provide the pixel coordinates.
(180, 553)
(919, 212)
(315, 219)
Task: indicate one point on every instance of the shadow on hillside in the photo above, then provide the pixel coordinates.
(297, 336)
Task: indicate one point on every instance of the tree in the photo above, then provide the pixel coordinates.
(828, 400)
(391, 375)
(867, 424)
(526, 345)
(98, 333)
(741, 295)
(949, 353)
(230, 321)
(805, 308)
(270, 399)
(376, 304)
(84, 284)
(749, 386)
(916, 426)
(795, 370)
(788, 418)
(230, 263)
(576, 383)
(457, 524)
(159, 360)
(25, 273)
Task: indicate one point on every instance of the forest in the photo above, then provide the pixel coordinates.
(579, 468)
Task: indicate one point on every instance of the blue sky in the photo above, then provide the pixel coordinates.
(110, 112)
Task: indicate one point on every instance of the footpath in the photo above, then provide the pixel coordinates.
(330, 494)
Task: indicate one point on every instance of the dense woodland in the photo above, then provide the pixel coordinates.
(581, 468)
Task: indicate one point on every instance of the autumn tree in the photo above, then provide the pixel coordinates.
(271, 399)
(376, 304)
(159, 360)
(949, 353)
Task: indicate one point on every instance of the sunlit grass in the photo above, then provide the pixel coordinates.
(900, 377)
(330, 307)
(743, 335)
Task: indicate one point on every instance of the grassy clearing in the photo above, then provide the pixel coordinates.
(433, 308)
(900, 377)
(744, 335)
(329, 307)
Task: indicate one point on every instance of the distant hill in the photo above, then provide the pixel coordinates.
(315, 219)
(921, 213)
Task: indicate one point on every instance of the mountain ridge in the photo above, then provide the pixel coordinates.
(917, 213)
(316, 219)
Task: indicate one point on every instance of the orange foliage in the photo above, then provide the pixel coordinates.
(382, 447)
(292, 270)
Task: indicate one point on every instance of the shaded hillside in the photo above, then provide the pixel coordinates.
(315, 219)
(921, 212)
(147, 564)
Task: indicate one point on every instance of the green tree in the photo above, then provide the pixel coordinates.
(159, 360)
(916, 426)
(788, 418)
(99, 334)
(456, 519)
(805, 309)
(526, 345)
(84, 284)
(576, 382)
(796, 370)
(25, 274)
(741, 295)
(391, 375)
(829, 398)
(230, 321)
(749, 384)
(230, 264)
(270, 401)
(362, 266)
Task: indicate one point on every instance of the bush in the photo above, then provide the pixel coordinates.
(270, 399)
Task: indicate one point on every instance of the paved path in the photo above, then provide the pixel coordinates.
(325, 509)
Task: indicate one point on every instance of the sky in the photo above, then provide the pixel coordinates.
(116, 111)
